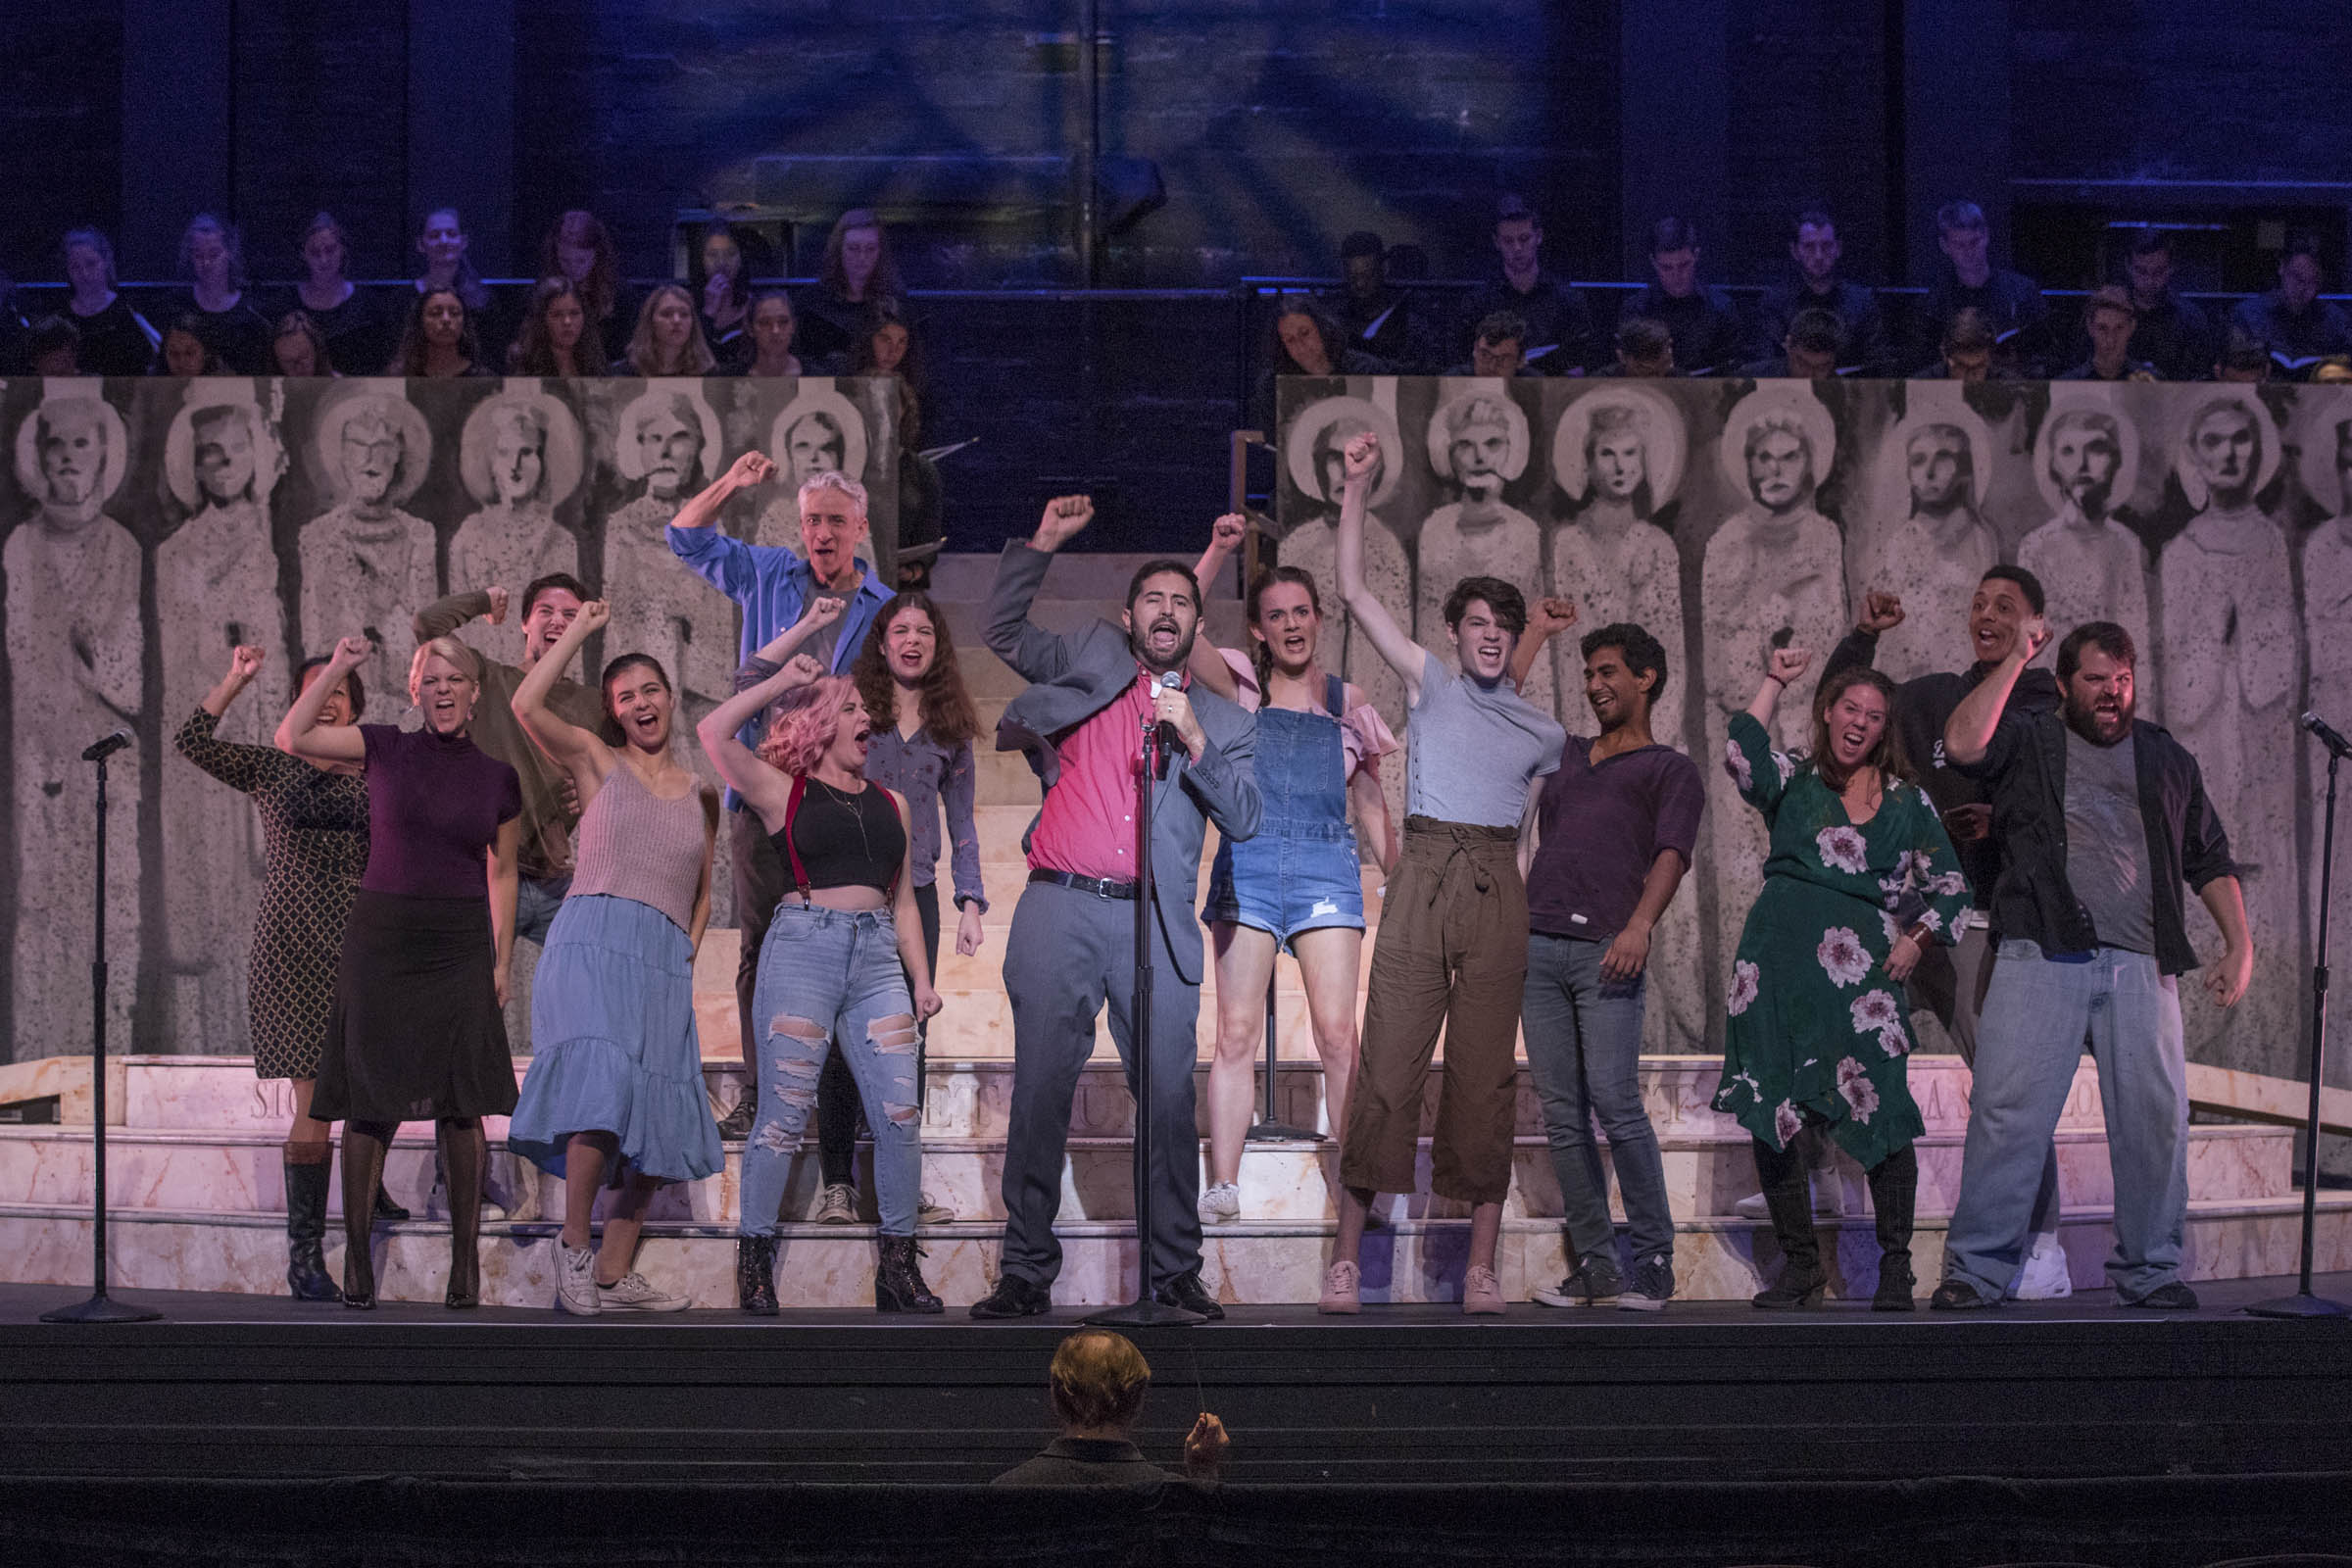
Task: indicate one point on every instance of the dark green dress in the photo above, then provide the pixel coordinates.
(1815, 1023)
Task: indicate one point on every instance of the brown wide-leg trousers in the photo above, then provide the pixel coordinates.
(1452, 953)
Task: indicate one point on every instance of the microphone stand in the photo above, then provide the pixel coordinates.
(1146, 1311)
(2303, 1303)
(100, 1308)
(1269, 1130)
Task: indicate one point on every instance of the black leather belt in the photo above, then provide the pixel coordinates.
(1099, 887)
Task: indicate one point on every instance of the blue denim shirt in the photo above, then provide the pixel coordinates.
(773, 586)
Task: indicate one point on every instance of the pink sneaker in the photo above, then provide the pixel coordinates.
(1482, 1291)
(1341, 1289)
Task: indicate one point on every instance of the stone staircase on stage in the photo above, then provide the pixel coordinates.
(198, 1198)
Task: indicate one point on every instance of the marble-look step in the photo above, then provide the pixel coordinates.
(970, 1096)
(241, 1174)
(1411, 1260)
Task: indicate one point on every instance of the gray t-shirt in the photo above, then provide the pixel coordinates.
(2107, 842)
(1472, 751)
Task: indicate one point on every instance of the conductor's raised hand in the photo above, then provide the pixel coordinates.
(1787, 665)
(1360, 459)
(1065, 517)
(752, 468)
(1205, 1447)
(1881, 613)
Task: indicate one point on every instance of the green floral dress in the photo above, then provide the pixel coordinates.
(1815, 1023)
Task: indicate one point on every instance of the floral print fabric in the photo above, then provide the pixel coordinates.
(1814, 1022)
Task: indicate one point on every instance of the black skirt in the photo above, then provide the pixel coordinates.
(415, 1032)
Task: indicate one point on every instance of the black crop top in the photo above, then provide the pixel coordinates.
(845, 841)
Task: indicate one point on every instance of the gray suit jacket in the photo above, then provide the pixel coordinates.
(1075, 675)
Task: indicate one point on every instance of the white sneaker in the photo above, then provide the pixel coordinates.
(2045, 1276)
(837, 1205)
(575, 1281)
(636, 1294)
(1221, 1204)
(926, 1213)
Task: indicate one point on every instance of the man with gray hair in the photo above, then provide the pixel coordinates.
(773, 585)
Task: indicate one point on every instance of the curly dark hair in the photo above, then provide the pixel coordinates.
(949, 717)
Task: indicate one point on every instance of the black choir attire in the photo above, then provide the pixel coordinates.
(1557, 320)
(2176, 337)
(1865, 349)
(238, 336)
(1390, 327)
(361, 334)
(2132, 371)
(2297, 339)
(2009, 302)
(1705, 322)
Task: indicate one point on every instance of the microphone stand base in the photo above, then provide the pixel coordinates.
(1274, 1132)
(102, 1309)
(2304, 1305)
(1143, 1315)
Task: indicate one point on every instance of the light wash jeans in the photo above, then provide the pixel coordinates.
(2029, 1043)
(1583, 1046)
(826, 976)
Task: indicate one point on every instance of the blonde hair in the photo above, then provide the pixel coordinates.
(468, 662)
(1099, 1379)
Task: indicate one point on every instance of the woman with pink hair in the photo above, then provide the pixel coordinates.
(841, 958)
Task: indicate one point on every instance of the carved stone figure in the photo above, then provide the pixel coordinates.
(1478, 443)
(1940, 551)
(366, 565)
(519, 456)
(75, 651)
(2092, 566)
(668, 443)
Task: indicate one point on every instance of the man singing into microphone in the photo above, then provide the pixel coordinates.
(1082, 724)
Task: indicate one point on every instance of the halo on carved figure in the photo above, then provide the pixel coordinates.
(815, 397)
(2322, 414)
(74, 395)
(2266, 432)
(366, 401)
(1463, 405)
(1332, 423)
(560, 452)
(1928, 404)
(1664, 442)
(2080, 398)
(663, 396)
(180, 443)
(1792, 400)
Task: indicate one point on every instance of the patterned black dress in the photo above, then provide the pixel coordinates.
(315, 838)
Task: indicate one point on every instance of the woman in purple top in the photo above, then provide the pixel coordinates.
(417, 1029)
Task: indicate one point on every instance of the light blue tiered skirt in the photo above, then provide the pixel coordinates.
(613, 1043)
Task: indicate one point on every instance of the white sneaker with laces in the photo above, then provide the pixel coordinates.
(636, 1294)
(926, 1213)
(837, 1205)
(575, 1281)
(2045, 1276)
(1221, 1204)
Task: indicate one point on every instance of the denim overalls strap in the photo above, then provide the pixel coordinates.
(1302, 769)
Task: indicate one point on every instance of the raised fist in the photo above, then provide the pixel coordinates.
(822, 611)
(1361, 458)
(245, 662)
(351, 653)
(1228, 532)
(1881, 613)
(803, 669)
(1064, 518)
(752, 468)
(1787, 665)
(593, 616)
(1550, 616)
(2033, 636)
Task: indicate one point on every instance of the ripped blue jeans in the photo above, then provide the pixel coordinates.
(830, 976)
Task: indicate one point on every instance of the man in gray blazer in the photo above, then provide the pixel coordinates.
(1073, 934)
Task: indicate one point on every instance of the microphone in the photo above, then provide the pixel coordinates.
(100, 750)
(1155, 735)
(2328, 736)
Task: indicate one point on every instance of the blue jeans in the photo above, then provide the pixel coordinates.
(2028, 1042)
(536, 900)
(1583, 1046)
(827, 977)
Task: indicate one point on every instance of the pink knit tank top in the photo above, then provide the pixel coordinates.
(632, 844)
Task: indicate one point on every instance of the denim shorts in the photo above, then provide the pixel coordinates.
(1286, 883)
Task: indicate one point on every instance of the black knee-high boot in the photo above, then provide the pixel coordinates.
(364, 1146)
(306, 1166)
(1894, 1195)
(464, 1153)
(1790, 1200)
